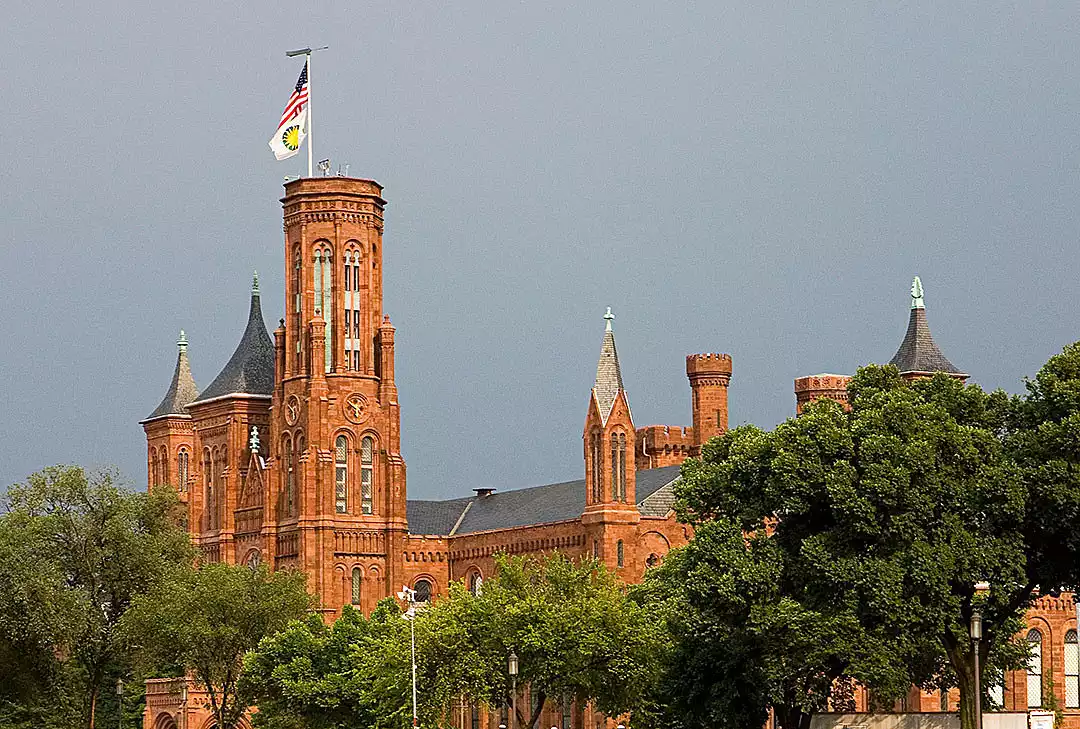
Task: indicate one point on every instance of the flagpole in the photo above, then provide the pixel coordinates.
(309, 128)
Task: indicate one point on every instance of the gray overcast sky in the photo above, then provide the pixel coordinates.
(756, 178)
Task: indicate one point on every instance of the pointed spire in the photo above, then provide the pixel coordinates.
(255, 284)
(253, 442)
(182, 391)
(916, 294)
(250, 370)
(918, 353)
(608, 374)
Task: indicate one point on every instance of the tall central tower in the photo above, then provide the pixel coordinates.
(339, 511)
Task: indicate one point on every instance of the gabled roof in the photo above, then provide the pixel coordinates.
(182, 390)
(250, 370)
(522, 507)
(918, 352)
(608, 373)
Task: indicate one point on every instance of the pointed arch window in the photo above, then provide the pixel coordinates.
(367, 474)
(208, 489)
(341, 474)
(1034, 669)
(322, 279)
(351, 345)
(154, 479)
(597, 466)
(423, 591)
(476, 582)
(620, 554)
(1072, 671)
(290, 477)
(164, 465)
(618, 467)
(298, 298)
(182, 469)
(355, 599)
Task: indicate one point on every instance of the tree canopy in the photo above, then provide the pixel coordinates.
(891, 513)
(575, 632)
(206, 619)
(75, 549)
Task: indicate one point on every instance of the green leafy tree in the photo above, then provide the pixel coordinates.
(76, 549)
(743, 639)
(205, 619)
(353, 673)
(576, 634)
(575, 631)
(896, 509)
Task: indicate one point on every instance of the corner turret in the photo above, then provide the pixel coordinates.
(918, 355)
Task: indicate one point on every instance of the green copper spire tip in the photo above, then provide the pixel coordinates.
(255, 283)
(181, 341)
(608, 318)
(916, 294)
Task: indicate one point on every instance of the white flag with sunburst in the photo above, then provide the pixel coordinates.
(292, 129)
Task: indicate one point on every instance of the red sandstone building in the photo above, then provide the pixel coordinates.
(292, 457)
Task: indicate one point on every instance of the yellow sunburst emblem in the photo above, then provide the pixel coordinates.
(291, 138)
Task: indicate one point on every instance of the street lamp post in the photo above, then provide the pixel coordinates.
(120, 702)
(512, 669)
(976, 630)
(409, 596)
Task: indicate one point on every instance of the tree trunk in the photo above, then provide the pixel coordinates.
(792, 717)
(93, 706)
(963, 664)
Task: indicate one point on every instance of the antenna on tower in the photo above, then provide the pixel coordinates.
(324, 166)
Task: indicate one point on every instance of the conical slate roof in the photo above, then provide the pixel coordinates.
(250, 370)
(182, 390)
(918, 352)
(608, 374)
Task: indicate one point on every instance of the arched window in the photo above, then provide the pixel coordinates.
(596, 549)
(619, 556)
(208, 490)
(1034, 669)
(154, 479)
(352, 310)
(618, 467)
(164, 465)
(254, 560)
(290, 477)
(367, 472)
(567, 713)
(341, 474)
(597, 459)
(474, 711)
(423, 591)
(476, 582)
(355, 586)
(322, 277)
(1072, 671)
(182, 469)
(298, 298)
(622, 467)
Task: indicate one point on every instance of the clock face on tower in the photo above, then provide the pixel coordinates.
(292, 409)
(355, 408)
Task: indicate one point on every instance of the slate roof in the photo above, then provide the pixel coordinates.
(182, 390)
(250, 370)
(434, 517)
(918, 352)
(520, 507)
(608, 372)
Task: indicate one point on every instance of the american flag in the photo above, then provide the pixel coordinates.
(297, 101)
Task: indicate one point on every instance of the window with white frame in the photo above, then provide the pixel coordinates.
(1034, 669)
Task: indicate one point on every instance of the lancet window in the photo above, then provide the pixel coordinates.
(367, 473)
(182, 469)
(323, 274)
(341, 474)
(1034, 669)
(355, 586)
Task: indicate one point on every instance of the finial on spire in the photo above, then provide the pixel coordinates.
(253, 443)
(608, 317)
(916, 294)
(255, 283)
(181, 341)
